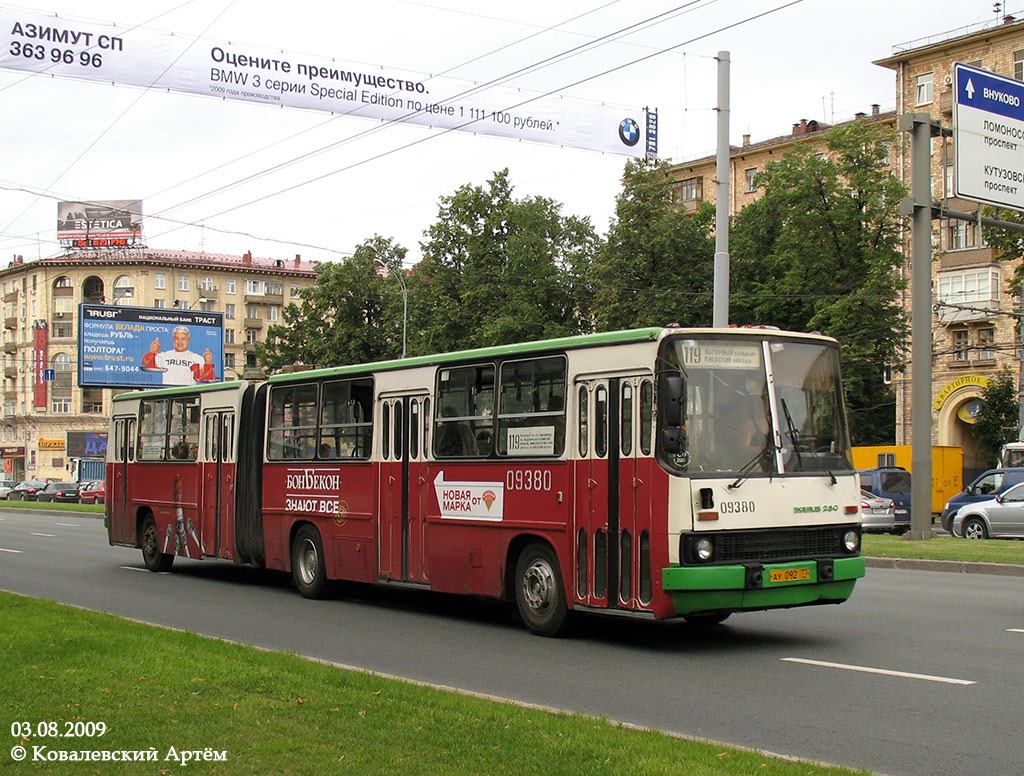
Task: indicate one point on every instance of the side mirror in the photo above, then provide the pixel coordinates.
(673, 400)
(673, 440)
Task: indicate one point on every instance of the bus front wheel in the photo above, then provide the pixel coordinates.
(540, 595)
(149, 541)
(309, 571)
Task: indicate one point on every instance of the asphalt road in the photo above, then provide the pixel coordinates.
(919, 673)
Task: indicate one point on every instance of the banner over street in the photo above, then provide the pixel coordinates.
(92, 51)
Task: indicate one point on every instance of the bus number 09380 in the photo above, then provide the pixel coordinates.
(528, 479)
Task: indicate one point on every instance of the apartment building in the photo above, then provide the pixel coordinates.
(46, 425)
(975, 332)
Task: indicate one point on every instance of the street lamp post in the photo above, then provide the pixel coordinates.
(400, 274)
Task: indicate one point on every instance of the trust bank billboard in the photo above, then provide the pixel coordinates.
(146, 347)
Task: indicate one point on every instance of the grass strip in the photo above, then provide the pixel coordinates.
(944, 548)
(51, 506)
(278, 713)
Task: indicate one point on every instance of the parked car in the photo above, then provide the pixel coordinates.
(26, 490)
(93, 492)
(1000, 517)
(876, 513)
(991, 483)
(892, 482)
(6, 486)
(61, 492)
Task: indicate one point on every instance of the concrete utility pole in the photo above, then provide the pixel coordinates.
(920, 126)
(720, 294)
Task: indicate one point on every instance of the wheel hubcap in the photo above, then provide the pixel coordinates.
(149, 540)
(973, 531)
(308, 562)
(539, 586)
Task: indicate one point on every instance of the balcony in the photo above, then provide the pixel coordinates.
(254, 323)
(10, 396)
(11, 372)
(11, 322)
(11, 297)
(264, 299)
(249, 347)
(11, 347)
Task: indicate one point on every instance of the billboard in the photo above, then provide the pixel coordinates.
(147, 347)
(111, 223)
(35, 42)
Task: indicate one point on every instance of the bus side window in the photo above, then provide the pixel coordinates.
(646, 416)
(583, 409)
(385, 431)
(626, 415)
(601, 422)
(293, 422)
(153, 430)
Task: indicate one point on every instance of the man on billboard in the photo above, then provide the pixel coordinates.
(181, 365)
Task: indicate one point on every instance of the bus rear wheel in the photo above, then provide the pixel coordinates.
(309, 571)
(540, 595)
(149, 541)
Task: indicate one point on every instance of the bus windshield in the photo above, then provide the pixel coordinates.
(757, 407)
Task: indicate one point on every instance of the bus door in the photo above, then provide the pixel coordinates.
(636, 471)
(596, 485)
(405, 421)
(218, 497)
(122, 453)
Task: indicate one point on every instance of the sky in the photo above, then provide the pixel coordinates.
(221, 176)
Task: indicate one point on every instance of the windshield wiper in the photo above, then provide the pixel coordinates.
(749, 465)
(795, 436)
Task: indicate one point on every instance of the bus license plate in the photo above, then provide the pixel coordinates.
(789, 575)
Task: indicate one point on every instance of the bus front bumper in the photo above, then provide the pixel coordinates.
(753, 586)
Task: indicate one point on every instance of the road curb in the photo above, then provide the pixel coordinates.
(962, 567)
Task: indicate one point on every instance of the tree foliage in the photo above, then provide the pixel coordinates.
(350, 315)
(999, 415)
(656, 264)
(820, 251)
(498, 269)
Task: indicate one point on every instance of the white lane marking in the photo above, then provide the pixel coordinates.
(133, 568)
(68, 525)
(1015, 630)
(16, 552)
(42, 534)
(883, 671)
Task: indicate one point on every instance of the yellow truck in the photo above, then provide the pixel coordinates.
(947, 467)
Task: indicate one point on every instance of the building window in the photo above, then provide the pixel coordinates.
(62, 282)
(229, 360)
(159, 303)
(961, 235)
(293, 290)
(229, 286)
(275, 288)
(689, 189)
(960, 346)
(272, 312)
(1018, 65)
(206, 284)
(124, 289)
(63, 305)
(60, 406)
(252, 311)
(750, 175)
(229, 336)
(973, 285)
(159, 281)
(986, 344)
(251, 336)
(257, 287)
(183, 284)
(229, 312)
(61, 330)
(925, 88)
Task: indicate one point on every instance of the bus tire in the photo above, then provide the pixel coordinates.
(309, 570)
(974, 529)
(149, 542)
(540, 595)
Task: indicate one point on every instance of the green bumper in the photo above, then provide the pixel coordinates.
(715, 588)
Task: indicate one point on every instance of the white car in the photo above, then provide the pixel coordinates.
(1001, 517)
(877, 513)
(5, 487)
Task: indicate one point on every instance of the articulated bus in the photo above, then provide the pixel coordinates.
(658, 472)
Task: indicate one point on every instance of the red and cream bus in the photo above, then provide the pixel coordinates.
(658, 472)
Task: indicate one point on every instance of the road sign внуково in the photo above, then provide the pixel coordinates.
(988, 137)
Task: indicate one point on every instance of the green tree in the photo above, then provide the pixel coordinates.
(999, 414)
(497, 270)
(656, 264)
(350, 315)
(819, 251)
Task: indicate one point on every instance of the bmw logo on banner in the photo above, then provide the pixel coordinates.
(629, 132)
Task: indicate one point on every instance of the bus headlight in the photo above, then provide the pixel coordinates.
(851, 541)
(704, 549)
